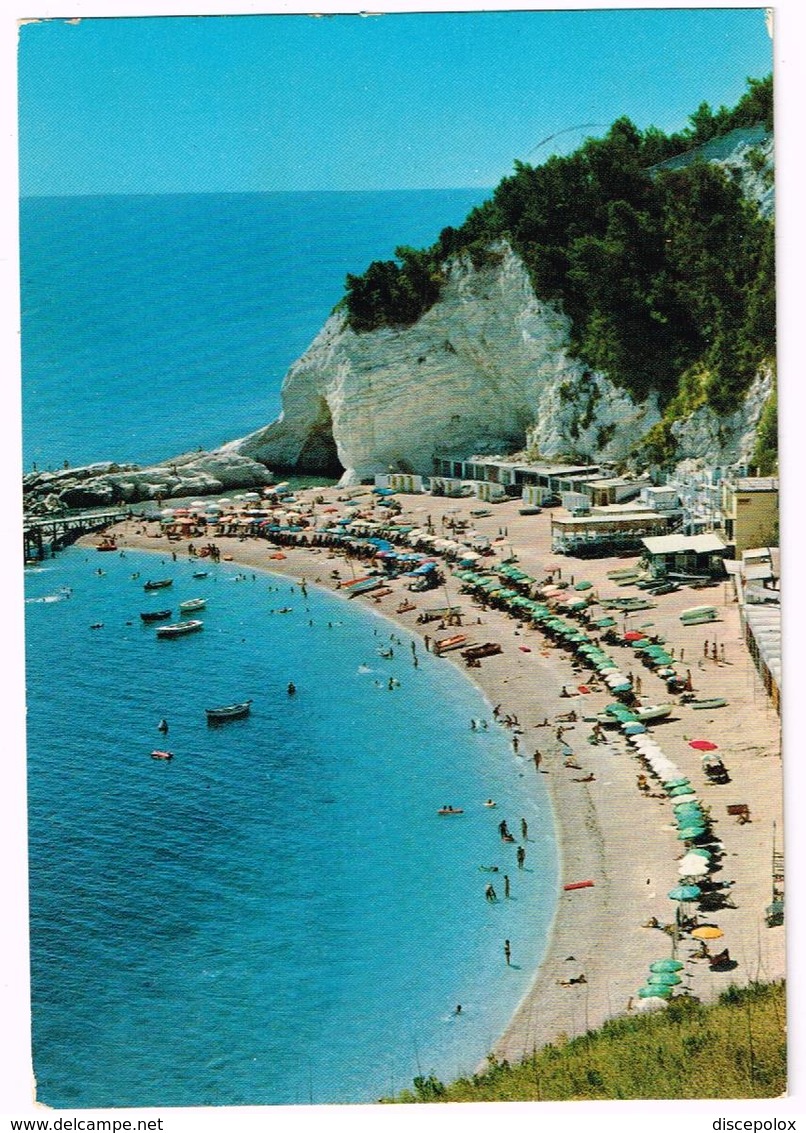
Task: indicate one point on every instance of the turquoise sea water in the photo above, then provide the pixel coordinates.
(278, 915)
(154, 324)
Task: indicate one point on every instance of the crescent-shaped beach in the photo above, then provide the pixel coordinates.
(609, 831)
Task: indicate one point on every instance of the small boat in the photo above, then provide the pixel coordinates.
(579, 884)
(158, 584)
(357, 581)
(155, 615)
(442, 611)
(192, 604)
(529, 510)
(107, 545)
(162, 754)
(622, 573)
(697, 615)
(450, 810)
(653, 712)
(179, 629)
(405, 606)
(448, 643)
(200, 573)
(712, 702)
(228, 712)
(476, 652)
(364, 586)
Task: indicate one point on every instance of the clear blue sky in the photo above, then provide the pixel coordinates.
(166, 104)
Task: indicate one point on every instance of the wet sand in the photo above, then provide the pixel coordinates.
(607, 830)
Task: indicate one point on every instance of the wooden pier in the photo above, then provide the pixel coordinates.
(46, 535)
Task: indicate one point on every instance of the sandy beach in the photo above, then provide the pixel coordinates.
(608, 831)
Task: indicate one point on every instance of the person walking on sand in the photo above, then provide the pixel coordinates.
(521, 856)
(507, 952)
(538, 758)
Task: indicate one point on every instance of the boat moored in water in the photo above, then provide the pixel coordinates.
(180, 629)
(155, 615)
(158, 584)
(192, 604)
(228, 712)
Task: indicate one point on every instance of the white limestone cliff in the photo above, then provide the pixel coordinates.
(486, 370)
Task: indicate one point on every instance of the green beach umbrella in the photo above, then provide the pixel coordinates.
(668, 965)
(701, 850)
(663, 979)
(685, 892)
(662, 991)
(688, 833)
(669, 784)
(584, 585)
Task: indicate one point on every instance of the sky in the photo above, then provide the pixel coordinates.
(296, 102)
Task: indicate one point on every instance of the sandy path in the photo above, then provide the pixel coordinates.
(607, 830)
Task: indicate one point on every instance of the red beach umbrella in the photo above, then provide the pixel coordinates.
(703, 745)
(633, 635)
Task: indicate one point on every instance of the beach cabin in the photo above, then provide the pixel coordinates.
(701, 555)
(399, 482)
(577, 503)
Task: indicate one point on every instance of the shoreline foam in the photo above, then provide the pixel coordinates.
(605, 829)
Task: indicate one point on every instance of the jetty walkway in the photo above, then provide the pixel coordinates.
(43, 535)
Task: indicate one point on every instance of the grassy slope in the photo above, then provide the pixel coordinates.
(735, 1048)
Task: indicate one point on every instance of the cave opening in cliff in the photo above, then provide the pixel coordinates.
(319, 454)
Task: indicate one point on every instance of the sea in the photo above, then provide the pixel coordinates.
(152, 325)
(278, 914)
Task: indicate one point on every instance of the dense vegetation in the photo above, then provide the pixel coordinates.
(735, 1048)
(663, 272)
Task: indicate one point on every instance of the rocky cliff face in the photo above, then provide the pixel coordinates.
(486, 370)
(483, 370)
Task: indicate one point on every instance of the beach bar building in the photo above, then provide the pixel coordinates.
(605, 533)
(685, 554)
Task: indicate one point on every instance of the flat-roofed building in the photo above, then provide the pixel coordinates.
(685, 554)
(596, 535)
(750, 511)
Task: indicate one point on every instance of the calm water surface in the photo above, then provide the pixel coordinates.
(278, 915)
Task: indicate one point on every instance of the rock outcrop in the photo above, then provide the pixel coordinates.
(102, 485)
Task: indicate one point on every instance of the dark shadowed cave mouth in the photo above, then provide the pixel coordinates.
(318, 453)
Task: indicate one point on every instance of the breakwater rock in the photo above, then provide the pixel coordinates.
(103, 484)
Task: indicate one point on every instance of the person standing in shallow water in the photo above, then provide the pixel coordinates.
(507, 952)
(521, 855)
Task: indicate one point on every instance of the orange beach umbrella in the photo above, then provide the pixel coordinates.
(707, 932)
